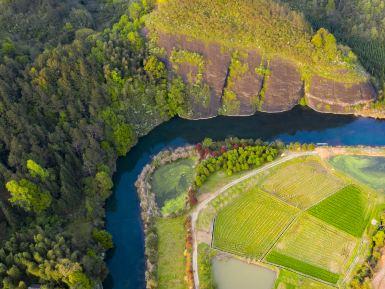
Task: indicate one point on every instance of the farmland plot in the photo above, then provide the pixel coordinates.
(302, 182)
(318, 244)
(348, 210)
(250, 224)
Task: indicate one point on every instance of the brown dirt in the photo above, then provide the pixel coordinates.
(331, 96)
(378, 281)
(284, 86)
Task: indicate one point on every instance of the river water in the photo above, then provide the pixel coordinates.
(126, 261)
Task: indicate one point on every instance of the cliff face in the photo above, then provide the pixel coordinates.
(273, 85)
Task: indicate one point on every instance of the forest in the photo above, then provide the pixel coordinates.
(74, 95)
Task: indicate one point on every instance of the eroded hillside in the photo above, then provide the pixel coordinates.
(238, 57)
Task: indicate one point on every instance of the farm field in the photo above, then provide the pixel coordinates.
(171, 246)
(348, 210)
(250, 225)
(290, 280)
(317, 243)
(366, 169)
(171, 180)
(302, 182)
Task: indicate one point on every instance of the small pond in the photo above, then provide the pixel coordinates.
(230, 273)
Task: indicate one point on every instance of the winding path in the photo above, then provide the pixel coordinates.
(203, 204)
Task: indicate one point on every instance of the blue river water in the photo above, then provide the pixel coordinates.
(126, 261)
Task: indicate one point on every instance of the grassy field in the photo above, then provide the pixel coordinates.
(302, 182)
(249, 225)
(172, 180)
(348, 210)
(290, 280)
(366, 169)
(171, 246)
(314, 242)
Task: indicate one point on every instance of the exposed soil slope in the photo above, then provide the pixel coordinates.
(279, 63)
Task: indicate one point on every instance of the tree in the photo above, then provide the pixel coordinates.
(103, 238)
(28, 196)
(36, 170)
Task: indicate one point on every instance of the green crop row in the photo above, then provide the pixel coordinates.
(346, 210)
(300, 266)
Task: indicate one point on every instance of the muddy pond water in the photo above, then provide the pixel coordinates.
(126, 261)
(231, 273)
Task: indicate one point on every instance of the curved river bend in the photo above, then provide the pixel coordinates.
(126, 260)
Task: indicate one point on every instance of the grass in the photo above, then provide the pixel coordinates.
(314, 242)
(302, 182)
(250, 225)
(348, 210)
(366, 169)
(300, 266)
(218, 180)
(259, 24)
(171, 180)
(171, 246)
(291, 280)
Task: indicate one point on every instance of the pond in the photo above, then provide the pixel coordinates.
(126, 261)
(231, 273)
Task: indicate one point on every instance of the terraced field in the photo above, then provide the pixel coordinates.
(302, 182)
(317, 243)
(347, 210)
(250, 225)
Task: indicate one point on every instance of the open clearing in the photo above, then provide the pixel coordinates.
(171, 180)
(316, 243)
(302, 182)
(348, 210)
(250, 225)
(366, 169)
(171, 246)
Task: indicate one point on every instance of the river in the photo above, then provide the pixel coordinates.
(126, 261)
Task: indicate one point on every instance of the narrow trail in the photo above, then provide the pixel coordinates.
(203, 204)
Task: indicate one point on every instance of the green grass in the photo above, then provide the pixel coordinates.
(302, 182)
(366, 169)
(171, 246)
(348, 210)
(259, 24)
(218, 180)
(315, 242)
(249, 225)
(300, 266)
(171, 180)
(291, 280)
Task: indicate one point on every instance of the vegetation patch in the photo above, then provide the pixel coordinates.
(205, 255)
(348, 210)
(302, 182)
(291, 280)
(366, 169)
(183, 56)
(171, 181)
(171, 247)
(317, 243)
(300, 266)
(250, 225)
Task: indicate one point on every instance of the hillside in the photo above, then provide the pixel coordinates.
(255, 55)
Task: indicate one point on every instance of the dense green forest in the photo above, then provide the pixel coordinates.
(358, 23)
(78, 85)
